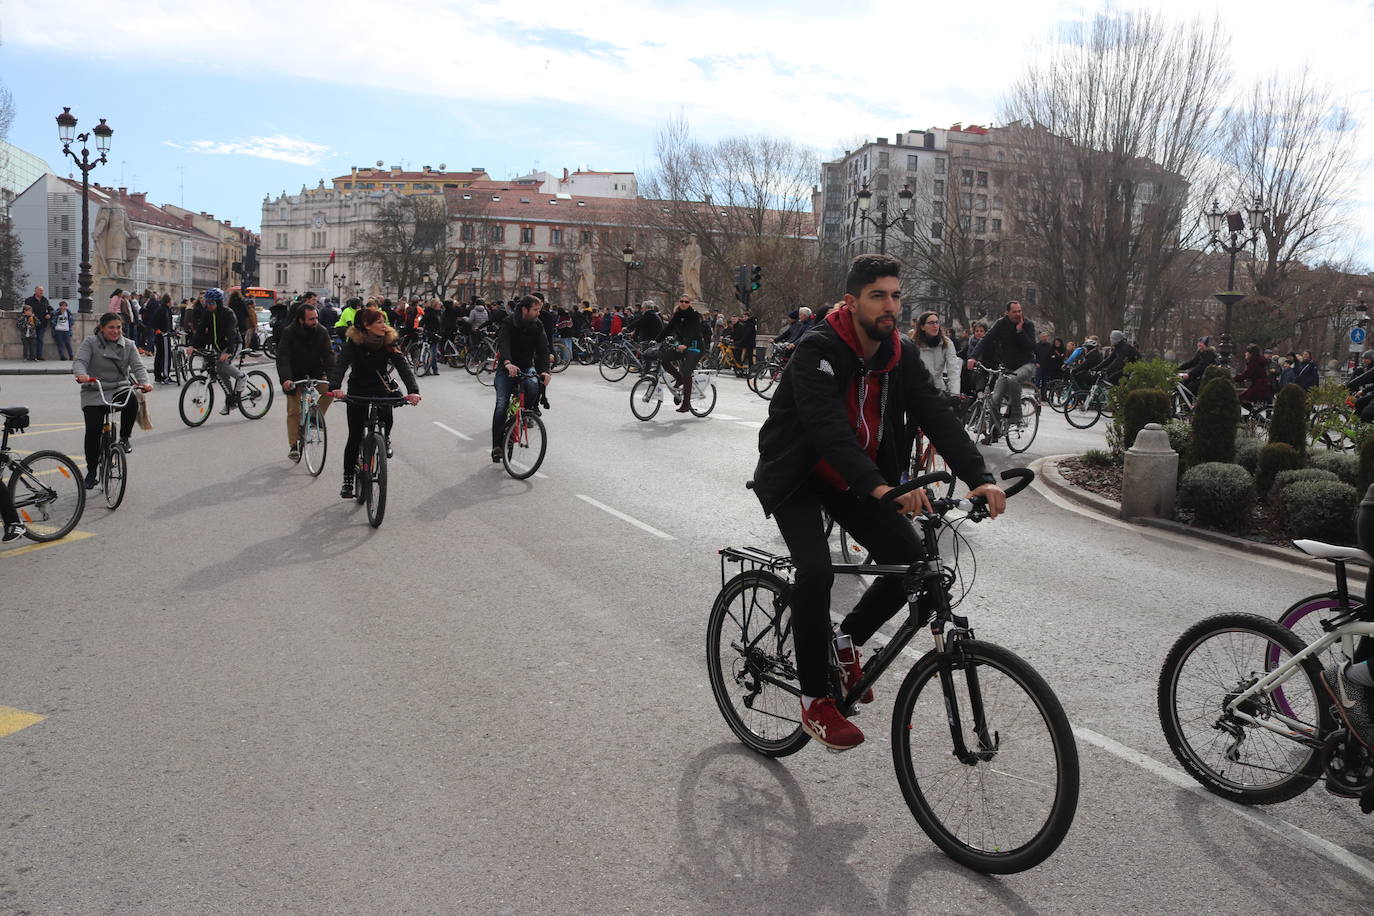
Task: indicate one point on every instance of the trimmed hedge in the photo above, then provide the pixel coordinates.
(1145, 405)
(1366, 467)
(1214, 423)
(1320, 509)
(1284, 478)
(1275, 457)
(1180, 440)
(1289, 423)
(1247, 452)
(1343, 465)
(1220, 495)
(1215, 371)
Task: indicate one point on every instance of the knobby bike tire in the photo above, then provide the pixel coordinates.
(48, 494)
(376, 485)
(114, 475)
(255, 397)
(751, 663)
(1033, 789)
(1197, 734)
(197, 400)
(522, 450)
(314, 441)
(709, 401)
(1019, 436)
(642, 407)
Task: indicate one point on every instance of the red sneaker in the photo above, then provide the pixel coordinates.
(824, 723)
(851, 671)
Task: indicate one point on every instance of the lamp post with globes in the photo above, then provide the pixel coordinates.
(539, 268)
(880, 220)
(628, 254)
(66, 133)
(1241, 237)
(340, 283)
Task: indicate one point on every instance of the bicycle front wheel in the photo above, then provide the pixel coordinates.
(1006, 804)
(642, 405)
(255, 397)
(1211, 663)
(197, 400)
(1021, 434)
(524, 447)
(752, 664)
(114, 476)
(1081, 410)
(376, 481)
(614, 365)
(48, 494)
(702, 406)
(315, 444)
(765, 379)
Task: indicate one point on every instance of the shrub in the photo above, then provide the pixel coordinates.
(1343, 465)
(1215, 371)
(1180, 440)
(1275, 457)
(1247, 452)
(1097, 458)
(1320, 509)
(1145, 405)
(1157, 374)
(1366, 466)
(1214, 423)
(1219, 494)
(1289, 423)
(1284, 478)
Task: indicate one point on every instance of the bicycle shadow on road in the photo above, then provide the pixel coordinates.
(471, 492)
(325, 534)
(269, 480)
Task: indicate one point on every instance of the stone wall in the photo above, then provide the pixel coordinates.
(12, 348)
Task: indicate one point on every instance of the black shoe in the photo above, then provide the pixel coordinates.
(92, 478)
(14, 531)
(346, 491)
(125, 446)
(544, 401)
(496, 455)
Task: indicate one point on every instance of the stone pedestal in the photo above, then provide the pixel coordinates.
(1149, 481)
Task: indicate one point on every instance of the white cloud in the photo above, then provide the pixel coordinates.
(279, 148)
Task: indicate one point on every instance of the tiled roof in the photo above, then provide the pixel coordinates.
(138, 208)
(388, 175)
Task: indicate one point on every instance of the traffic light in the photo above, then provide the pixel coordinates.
(250, 261)
(755, 278)
(742, 288)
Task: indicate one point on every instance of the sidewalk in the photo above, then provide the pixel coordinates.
(1047, 472)
(49, 366)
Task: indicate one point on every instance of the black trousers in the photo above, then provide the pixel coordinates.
(95, 423)
(357, 423)
(889, 538)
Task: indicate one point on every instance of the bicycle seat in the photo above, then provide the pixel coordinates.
(14, 413)
(1333, 552)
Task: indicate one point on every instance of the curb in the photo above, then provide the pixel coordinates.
(64, 369)
(1049, 474)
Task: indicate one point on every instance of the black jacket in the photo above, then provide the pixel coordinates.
(747, 333)
(158, 317)
(371, 365)
(217, 330)
(649, 327)
(1005, 347)
(808, 421)
(304, 353)
(1199, 363)
(523, 343)
(685, 328)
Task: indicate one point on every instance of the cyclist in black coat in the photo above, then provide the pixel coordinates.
(684, 327)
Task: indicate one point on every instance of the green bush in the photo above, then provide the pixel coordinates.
(1097, 457)
(1219, 494)
(1214, 423)
(1215, 371)
(1180, 440)
(1344, 465)
(1158, 374)
(1284, 478)
(1366, 467)
(1320, 509)
(1145, 405)
(1289, 423)
(1275, 457)
(1247, 452)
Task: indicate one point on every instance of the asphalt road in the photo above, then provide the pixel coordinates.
(497, 702)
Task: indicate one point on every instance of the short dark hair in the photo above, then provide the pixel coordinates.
(530, 302)
(866, 268)
(109, 317)
(1010, 303)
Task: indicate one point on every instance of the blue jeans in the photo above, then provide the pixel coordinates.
(38, 341)
(63, 339)
(505, 386)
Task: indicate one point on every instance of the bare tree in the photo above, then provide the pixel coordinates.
(1113, 128)
(410, 238)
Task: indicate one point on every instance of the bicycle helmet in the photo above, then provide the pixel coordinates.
(1367, 356)
(214, 294)
(1089, 344)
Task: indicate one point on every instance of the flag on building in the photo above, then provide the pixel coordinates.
(331, 256)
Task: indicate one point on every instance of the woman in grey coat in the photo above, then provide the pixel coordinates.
(938, 353)
(109, 357)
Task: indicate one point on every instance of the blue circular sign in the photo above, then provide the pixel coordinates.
(1357, 335)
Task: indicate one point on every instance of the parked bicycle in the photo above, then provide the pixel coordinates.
(768, 373)
(45, 485)
(197, 399)
(524, 441)
(618, 358)
(481, 359)
(312, 436)
(1001, 797)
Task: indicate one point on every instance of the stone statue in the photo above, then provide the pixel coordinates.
(586, 278)
(116, 244)
(691, 268)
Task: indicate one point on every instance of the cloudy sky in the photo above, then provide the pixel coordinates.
(216, 105)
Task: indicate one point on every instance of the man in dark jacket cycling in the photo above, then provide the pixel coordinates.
(685, 328)
(838, 436)
(303, 352)
(521, 344)
(217, 331)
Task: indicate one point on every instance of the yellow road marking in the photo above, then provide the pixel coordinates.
(51, 428)
(30, 548)
(12, 720)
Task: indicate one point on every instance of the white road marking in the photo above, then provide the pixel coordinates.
(718, 416)
(450, 429)
(541, 474)
(750, 423)
(626, 518)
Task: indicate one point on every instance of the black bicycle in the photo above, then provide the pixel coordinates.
(46, 485)
(113, 475)
(1003, 797)
(197, 400)
(370, 471)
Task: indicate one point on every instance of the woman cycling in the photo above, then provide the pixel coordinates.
(107, 357)
(371, 347)
(938, 352)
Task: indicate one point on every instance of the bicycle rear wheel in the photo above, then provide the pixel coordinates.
(1304, 618)
(1021, 434)
(765, 379)
(255, 397)
(197, 400)
(114, 475)
(1212, 662)
(614, 365)
(376, 483)
(315, 446)
(702, 406)
(48, 494)
(751, 663)
(524, 445)
(1006, 805)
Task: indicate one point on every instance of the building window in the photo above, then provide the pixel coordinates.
(498, 233)
(66, 224)
(347, 184)
(526, 265)
(939, 187)
(527, 235)
(317, 272)
(982, 179)
(496, 263)
(1030, 294)
(911, 163)
(966, 201)
(281, 240)
(465, 232)
(940, 165)
(966, 178)
(317, 239)
(937, 229)
(996, 225)
(882, 160)
(964, 223)
(980, 224)
(880, 183)
(980, 203)
(586, 236)
(556, 236)
(353, 238)
(996, 203)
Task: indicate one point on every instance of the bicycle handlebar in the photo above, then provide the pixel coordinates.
(127, 390)
(1022, 476)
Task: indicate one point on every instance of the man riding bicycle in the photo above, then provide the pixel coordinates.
(686, 328)
(838, 436)
(1010, 345)
(521, 345)
(218, 331)
(304, 352)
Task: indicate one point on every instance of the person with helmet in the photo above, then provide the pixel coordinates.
(1086, 365)
(218, 332)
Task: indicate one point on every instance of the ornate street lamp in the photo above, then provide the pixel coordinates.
(628, 254)
(539, 272)
(1241, 236)
(880, 221)
(66, 133)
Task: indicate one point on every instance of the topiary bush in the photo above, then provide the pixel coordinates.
(1214, 423)
(1220, 495)
(1275, 457)
(1247, 452)
(1320, 509)
(1180, 440)
(1343, 464)
(1284, 478)
(1215, 371)
(1158, 374)
(1289, 423)
(1145, 405)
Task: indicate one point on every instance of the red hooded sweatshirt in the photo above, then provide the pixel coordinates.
(868, 385)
